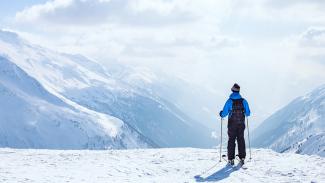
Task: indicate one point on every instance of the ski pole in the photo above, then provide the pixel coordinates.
(220, 140)
(249, 141)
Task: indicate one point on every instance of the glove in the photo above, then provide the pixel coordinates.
(220, 113)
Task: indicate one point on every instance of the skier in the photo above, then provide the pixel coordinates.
(237, 108)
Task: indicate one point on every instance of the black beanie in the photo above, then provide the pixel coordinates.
(235, 88)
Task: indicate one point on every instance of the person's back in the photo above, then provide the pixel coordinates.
(236, 108)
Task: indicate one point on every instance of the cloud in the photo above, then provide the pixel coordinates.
(288, 12)
(290, 3)
(177, 46)
(313, 37)
(308, 11)
(310, 48)
(94, 12)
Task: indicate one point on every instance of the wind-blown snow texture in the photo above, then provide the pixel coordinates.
(84, 86)
(154, 165)
(299, 127)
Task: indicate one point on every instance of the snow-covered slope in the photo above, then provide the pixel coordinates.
(31, 117)
(87, 84)
(299, 127)
(313, 144)
(143, 105)
(155, 165)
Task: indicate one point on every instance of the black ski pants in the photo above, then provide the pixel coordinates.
(236, 132)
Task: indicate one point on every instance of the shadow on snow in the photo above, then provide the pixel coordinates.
(219, 175)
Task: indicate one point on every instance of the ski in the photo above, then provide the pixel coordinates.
(241, 166)
(240, 163)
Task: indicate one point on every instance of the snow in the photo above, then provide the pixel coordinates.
(154, 165)
(32, 117)
(298, 127)
(313, 144)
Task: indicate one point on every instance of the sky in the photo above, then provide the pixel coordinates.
(274, 49)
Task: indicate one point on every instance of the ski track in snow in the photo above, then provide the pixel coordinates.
(154, 165)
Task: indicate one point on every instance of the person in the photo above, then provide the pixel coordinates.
(236, 108)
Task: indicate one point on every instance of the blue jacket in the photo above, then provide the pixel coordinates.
(228, 106)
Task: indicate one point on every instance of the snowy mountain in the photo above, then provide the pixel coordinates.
(88, 85)
(31, 117)
(155, 165)
(182, 92)
(299, 127)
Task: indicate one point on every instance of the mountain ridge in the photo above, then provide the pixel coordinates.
(293, 125)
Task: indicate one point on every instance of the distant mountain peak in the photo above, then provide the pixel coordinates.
(294, 126)
(10, 37)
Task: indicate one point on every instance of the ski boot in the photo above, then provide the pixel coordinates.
(231, 162)
(242, 161)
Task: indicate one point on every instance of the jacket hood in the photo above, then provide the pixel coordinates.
(235, 95)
